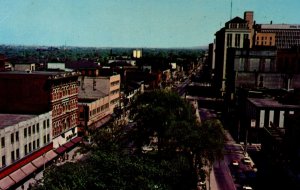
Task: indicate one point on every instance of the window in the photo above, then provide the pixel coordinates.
(12, 139)
(37, 127)
(13, 156)
(29, 130)
(2, 142)
(44, 124)
(3, 161)
(33, 129)
(38, 143)
(25, 132)
(25, 149)
(48, 123)
(33, 144)
(48, 138)
(229, 40)
(17, 136)
(237, 40)
(29, 147)
(17, 154)
(44, 139)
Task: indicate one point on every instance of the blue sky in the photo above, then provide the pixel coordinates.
(130, 23)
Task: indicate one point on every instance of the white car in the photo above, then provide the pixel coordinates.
(246, 187)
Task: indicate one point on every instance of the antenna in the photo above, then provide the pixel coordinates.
(231, 10)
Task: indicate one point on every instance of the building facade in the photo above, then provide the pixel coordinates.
(237, 34)
(39, 92)
(285, 35)
(98, 97)
(26, 145)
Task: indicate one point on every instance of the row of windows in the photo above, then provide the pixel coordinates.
(114, 83)
(237, 40)
(66, 106)
(114, 92)
(114, 101)
(97, 110)
(28, 148)
(64, 91)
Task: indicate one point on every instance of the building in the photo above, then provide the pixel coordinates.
(40, 92)
(24, 67)
(236, 34)
(284, 35)
(98, 97)
(267, 112)
(26, 145)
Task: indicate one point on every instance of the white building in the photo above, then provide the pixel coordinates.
(23, 134)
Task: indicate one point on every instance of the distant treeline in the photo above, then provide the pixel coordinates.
(66, 53)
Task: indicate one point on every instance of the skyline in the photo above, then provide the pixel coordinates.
(131, 23)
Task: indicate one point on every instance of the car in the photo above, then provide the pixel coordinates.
(235, 163)
(246, 161)
(247, 187)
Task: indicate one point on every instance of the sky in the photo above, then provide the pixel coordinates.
(131, 23)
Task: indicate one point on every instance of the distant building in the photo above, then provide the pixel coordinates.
(285, 35)
(137, 53)
(40, 92)
(98, 96)
(24, 67)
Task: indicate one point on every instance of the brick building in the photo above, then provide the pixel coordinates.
(40, 92)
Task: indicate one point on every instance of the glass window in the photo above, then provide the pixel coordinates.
(3, 161)
(33, 129)
(12, 139)
(25, 132)
(2, 142)
(13, 156)
(17, 136)
(38, 143)
(48, 123)
(29, 130)
(37, 127)
(17, 154)
(25, 149)
(29, 147)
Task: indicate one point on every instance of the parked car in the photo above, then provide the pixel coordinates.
(247, 187)
(246, 161)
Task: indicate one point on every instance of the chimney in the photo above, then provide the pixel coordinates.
(248, 16)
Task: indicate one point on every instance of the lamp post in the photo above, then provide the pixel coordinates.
(44, 155)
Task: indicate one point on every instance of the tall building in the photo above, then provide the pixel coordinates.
(280, 35)
(237, 34)
(40, 92)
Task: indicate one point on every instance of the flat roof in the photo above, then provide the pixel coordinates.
(280, 26)
(12, 119)
(269, 102)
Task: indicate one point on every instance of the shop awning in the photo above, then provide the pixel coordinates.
(40, 161)
(69, 144)
(17, 175)
(76, 140)
(60, 150)
(50, 155)
(28, 168)
(6, 182)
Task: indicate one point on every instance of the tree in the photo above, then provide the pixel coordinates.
(212, 143)
(166, 116)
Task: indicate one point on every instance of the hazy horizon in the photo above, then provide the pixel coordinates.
(131, 23)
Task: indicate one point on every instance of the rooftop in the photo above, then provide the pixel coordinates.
(271, 103)
(12, 119)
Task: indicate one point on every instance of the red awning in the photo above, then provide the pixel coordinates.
(28, 169)
(69, 144)
(50, 155)
(76, 140)
(6, 182)
(17, 175)
(40, 161)
(60, 150)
